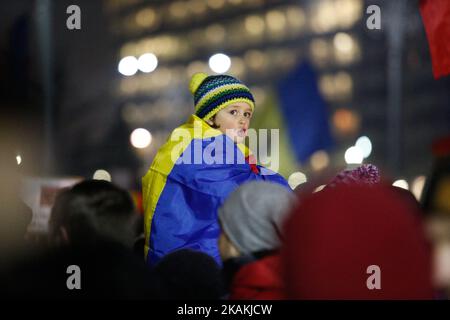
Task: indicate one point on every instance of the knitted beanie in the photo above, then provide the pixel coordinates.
(367, 174)
(213, 93)
(336, 238)
(253, 214)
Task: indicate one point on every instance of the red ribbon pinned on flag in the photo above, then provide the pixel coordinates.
(251, 160)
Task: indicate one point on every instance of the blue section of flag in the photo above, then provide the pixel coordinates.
(186, 213)
(305, 112)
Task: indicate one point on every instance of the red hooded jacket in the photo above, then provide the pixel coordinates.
(259, 280)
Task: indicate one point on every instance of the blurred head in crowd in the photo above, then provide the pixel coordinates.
(188, 274)
(251, 218)
(356, 242)
(93, 210)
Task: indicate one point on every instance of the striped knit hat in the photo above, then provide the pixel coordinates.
(213, 93)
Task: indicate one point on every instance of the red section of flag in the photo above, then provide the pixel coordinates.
(251, 160)
(137, 199)
(436, 18)
(441, 147)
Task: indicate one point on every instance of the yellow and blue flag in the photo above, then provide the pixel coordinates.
(305, 112)
(191, 176)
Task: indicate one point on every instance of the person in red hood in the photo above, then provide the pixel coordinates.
(251, 220)
(356, 241)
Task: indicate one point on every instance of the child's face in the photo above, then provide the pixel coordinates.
(234, 120)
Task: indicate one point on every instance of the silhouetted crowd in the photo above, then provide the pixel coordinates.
(357, 238)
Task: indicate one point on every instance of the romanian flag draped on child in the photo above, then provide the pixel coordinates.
(194, 172)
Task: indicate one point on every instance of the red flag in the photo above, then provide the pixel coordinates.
(436, 18)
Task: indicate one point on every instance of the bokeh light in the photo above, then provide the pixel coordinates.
(296, 178)
(219, 63)
(365, 145)
(319, 160)
(128, 66)
(141, 138)
(101, 174)
(147, 62)
(417, 186)
(401, 184)
(354, 155)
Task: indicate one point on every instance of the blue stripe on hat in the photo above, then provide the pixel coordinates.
(233, 95)
(212, 83)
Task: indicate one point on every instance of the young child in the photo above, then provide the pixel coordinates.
(189, 179)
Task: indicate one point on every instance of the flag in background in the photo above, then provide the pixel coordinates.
(268, 116)
(436, 19)
(305, 112)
